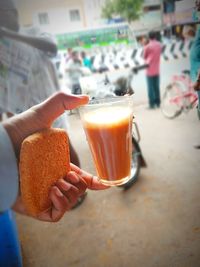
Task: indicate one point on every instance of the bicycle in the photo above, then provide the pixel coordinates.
(179, 96)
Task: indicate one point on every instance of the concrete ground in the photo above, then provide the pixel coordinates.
(156, 223)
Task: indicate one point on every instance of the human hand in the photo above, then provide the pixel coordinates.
(92, 181)
(67, 190)
(64, 194)
(40, 117)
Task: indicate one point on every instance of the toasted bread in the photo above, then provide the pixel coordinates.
(44, 158)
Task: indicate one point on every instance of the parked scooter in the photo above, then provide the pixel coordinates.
(122, 86)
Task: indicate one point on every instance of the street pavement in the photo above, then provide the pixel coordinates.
(156, 223)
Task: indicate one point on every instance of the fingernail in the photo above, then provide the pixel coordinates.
(64, 185)
(73, 177)
(84, 97)
(59, 193)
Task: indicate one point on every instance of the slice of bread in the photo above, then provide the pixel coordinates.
(44, 158)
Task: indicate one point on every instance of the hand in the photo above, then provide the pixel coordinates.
(67, 190)
(40, 117)
(91, 180)
(65, 194)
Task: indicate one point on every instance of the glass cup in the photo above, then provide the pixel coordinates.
(108, 127)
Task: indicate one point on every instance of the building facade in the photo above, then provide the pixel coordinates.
(60, 16)
(151, 17)
(52, 16)
(92, 9)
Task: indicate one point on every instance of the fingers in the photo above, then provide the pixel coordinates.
(54, 106)
(65, 194)
(71, 187)
(77, 181)
(60, 204)
(70, 192)
(92, 182)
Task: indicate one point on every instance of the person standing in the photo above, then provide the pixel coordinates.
(195, 58)
(86, 60)
(75, 72)
(195, 61)
(68, 55)
(152, 53)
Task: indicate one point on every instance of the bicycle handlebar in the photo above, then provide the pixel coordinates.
(138, 68)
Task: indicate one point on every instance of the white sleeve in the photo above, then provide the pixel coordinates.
(9, 180)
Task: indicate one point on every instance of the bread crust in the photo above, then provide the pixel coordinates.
(44, 158)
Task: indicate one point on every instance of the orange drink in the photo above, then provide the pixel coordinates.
(108, 127)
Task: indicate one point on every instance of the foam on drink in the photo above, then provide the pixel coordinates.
(109, 115)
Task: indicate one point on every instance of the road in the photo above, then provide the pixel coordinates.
(156, 223)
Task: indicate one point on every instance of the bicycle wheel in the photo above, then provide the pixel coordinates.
(172, 102)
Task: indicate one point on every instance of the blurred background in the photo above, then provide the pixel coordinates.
(156, 222)
(110, 34)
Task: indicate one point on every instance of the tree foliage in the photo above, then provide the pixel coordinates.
(127, 9)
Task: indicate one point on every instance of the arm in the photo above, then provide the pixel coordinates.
(36, 42)
(145, 53)
(8, 172)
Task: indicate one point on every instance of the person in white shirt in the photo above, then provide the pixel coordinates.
(74, 70)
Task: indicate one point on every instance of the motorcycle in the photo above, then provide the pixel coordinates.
(122, 86)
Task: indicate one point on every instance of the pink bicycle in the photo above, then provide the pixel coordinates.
(179, 96)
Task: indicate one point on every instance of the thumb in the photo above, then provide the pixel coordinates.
(56, 105)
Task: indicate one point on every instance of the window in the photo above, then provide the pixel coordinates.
(43, 18)
(74, 15)
(151, 8)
